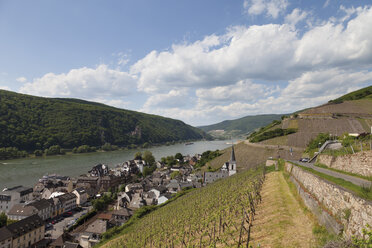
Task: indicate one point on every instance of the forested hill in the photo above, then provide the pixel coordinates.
(30, 123)
(243, 125)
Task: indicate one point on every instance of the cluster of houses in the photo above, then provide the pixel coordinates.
(55, 195)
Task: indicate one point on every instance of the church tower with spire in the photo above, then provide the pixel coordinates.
(232, 162)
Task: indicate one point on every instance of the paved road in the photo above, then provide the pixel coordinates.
(60, 226)
(352, 179)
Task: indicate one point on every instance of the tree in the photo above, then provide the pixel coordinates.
(175, 174)
(148, 170)
(38, 153)
(3, 219)
(179, 156)
(170, 160)
(149, 158)
(122, 188)
(138, 155)
(347, 141)
(99, 205)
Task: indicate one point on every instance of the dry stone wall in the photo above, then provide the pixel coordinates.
(344, 208)
(359, 163)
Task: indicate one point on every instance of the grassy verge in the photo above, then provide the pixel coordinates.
(343, 172)
(320, 232)
(363, 192)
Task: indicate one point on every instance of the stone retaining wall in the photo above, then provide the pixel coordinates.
(359, 163)
(337, 206)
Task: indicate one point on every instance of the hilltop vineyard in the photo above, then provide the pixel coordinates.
(219, 215)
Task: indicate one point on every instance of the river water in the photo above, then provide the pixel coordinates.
(27, 171)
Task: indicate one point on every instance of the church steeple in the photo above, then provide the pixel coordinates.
(232, 159)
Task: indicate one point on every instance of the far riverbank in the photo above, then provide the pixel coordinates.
(27, 171)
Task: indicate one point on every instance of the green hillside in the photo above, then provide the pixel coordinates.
(355, 95)
(243, 125)
(30, 123)
(205, 217)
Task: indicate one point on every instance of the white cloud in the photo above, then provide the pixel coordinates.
(267, 52)
(4, 87)
(262, 52)
(333, 44)
(87, 83)
(227, 76)
(296, 16)
(349, 12)
(326, 3)
(21, 79)
(174, 98)
(271, 7)
(243, 90)
(329, 83)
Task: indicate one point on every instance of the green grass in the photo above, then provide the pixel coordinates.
(323, 236)
(320, 232)
(272, 134)
(363, 192)
(343, 172)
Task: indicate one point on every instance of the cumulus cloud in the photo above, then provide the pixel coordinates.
(266, 52)
(272, 8)
(21, 79)
(243, 90)
(229, 74)
(330, 83)
(296, 16)
(326, 3)
(174, 98)
(243, 52)
(87, 83)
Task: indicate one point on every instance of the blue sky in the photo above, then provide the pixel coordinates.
(198, 61)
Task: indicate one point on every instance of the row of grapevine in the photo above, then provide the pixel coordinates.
(219, 215)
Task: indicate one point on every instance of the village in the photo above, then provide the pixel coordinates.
(60, 211)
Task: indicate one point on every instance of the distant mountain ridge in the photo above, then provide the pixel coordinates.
(30, 122)
(242, 125)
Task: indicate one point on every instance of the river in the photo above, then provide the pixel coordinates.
(27, 171)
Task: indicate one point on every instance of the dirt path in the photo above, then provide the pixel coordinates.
(280, 221)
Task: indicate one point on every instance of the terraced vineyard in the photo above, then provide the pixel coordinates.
(220, 214)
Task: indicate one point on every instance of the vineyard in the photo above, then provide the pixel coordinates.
(219, 215)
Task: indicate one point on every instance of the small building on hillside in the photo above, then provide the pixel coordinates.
(81, 196)
(24, 233)
(45, 208)
(15, 195)
(227, 169)
(21, 211)
(68, 201)
(99, 170)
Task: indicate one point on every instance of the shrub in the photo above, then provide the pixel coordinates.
(38, 153)
(320, 139)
